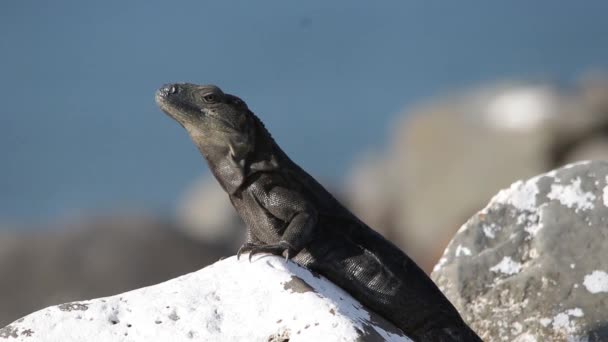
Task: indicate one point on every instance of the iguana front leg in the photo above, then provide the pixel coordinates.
(288, 206)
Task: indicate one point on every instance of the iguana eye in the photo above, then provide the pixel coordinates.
(210, 98)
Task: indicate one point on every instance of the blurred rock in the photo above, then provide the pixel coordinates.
(93, 258)
(206, 214)
(371, 197)
(593, 148)
(531, 266)
(230, 300)
(447, 158)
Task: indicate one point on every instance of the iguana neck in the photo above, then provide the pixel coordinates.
(232, 173)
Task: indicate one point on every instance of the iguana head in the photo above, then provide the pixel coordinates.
(223, 129)
(211, 117)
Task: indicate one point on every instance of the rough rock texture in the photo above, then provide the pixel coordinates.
(484, 140)
(93, 258)
(532, 265)
(267, 300)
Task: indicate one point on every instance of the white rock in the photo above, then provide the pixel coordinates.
(266, 300)
(605, 193)
(572, 196)
(461, 250)
(507, 266)
(596, 282)
(522, 109)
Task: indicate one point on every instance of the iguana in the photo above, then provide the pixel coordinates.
(288, 213)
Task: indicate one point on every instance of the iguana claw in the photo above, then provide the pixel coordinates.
(282, 248)
(246, 247)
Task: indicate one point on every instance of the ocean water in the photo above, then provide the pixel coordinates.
(80, 132)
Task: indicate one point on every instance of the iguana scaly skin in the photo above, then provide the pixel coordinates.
(289, 213)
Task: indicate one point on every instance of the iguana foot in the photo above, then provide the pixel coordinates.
(282, 248)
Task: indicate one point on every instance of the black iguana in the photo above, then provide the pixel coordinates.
(289, 213)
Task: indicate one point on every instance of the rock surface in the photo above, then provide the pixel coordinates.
(532, 265)
(266, 300)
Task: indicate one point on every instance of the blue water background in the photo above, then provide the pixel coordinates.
(79, 130)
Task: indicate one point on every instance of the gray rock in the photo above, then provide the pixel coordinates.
(532, 265)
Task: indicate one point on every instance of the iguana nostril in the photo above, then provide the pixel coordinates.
(168, 89)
